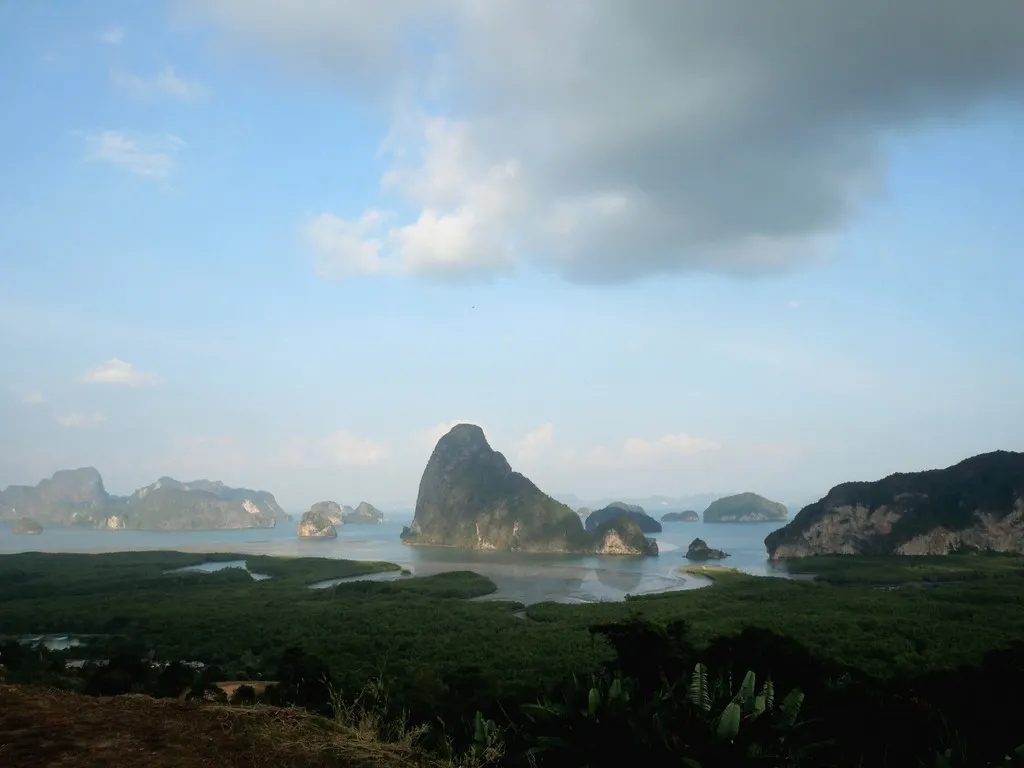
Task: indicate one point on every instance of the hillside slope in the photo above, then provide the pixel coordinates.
(975, 505)
(41, 727)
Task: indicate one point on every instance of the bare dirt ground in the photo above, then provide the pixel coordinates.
(43, 728)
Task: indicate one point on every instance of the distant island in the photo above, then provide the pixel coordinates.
(744, 508)
(315, 524)
(77, 498)
(470, 497)
(26, 526)
(974, 506)
(364, 514)
(688, 516)
(618, 509)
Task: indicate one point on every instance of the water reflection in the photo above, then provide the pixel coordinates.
(386, 576)
(619, 582)
(220, 565)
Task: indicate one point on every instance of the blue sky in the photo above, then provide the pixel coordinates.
(215, 262)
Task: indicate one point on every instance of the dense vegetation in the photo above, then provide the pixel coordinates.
(889, 677)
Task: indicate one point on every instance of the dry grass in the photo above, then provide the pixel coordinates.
(42, 727)
(230, 686)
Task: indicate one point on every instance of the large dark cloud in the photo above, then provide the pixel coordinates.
(642, 137)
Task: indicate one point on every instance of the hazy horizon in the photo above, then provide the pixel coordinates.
(706, 246)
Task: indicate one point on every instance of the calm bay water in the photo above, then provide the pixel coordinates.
(528, 578)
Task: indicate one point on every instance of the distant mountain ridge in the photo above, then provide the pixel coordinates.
(78, 498)
(655, 505)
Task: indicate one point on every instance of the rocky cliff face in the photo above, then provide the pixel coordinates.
(316, 525)
(364, 514)
(115, 523)
(622, 536)
(744, 508)
(329, 509)
(470, 497)
(78, 498)
(169, 504)
(620, 509)
(976, 505)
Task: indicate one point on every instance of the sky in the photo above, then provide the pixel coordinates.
(680, 248)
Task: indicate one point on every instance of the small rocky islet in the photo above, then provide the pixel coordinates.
(316, 524)
(26, 526)
(699, 551)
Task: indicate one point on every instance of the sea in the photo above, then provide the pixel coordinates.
(524, 577)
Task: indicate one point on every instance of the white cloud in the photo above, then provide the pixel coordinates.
(345, 449)
(115, 371)
(536, 444)
(165, 83)
(213, 457)
(772, 450)
(34, 398)
(719, 137)
(338, 449)
(637, 448)
(151, 156)
(794, 304)
(81, 420)
(460, 231)
(344, 247)
(539, 449)
(112, 36)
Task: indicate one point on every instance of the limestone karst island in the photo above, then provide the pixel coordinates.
(470, 497)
